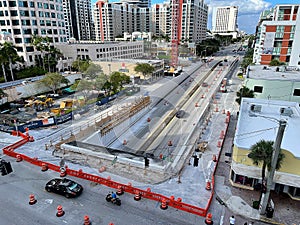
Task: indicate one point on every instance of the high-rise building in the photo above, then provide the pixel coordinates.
(26, 18)
(277, 36)
(224, 20)
(114, 19)
(160, 18)
(78, 18)
(193, 21)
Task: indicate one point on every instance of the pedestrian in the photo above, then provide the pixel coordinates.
(232, 220)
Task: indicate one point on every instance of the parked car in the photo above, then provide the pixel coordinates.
(64, 186)
(180, 113)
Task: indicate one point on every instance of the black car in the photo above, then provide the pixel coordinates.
(64, 186)
(180, 113)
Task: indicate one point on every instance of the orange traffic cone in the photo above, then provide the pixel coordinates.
(219, 144)
(163, 204)
(196, 104)
(44, 167)
(148, 120)
(214, 158)
(32, 199)
(208, 219)
(19, 158)
(208, 186)
(86, 220)
(222, 134)
(120, 190)
(137, 196)
(60, 211)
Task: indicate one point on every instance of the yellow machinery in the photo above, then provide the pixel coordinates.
(40, 102)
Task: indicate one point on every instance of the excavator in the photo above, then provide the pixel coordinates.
(39, 103)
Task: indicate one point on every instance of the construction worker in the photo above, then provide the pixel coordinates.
(232, 220)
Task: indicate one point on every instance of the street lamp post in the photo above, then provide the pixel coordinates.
(276, 150)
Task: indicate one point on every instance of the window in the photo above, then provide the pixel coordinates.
(296, 92)
(17, 31)
(51, 6)
(258, 89)
(18, 40)
(47, 14)
(40, 5)
(31, 4)
(32, 13)
(27, 31)
(41, 14)
(52, 15)
(23, 4)
(24, 13)
(2, 22)
(1, 13)
(29, 49)
(19, 49)
(15, 22)
(46, 6)
(12, 3)
(13, 12)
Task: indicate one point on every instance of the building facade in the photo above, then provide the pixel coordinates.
(78, 19)
(274, 83)
(160, 19)
(277, 34)
(224, 20)
(26, 18)
(259, 120)
(112, 20)
(102, 51)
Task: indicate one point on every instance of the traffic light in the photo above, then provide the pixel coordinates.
(146, 162)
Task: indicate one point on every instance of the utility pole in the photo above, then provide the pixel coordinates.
(276, 150)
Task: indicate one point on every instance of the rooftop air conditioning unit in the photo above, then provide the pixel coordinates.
(286, 112)
(255, 108)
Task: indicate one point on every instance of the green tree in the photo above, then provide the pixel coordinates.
(117, 80)
(144, 68)
(3, 60)
(53, 81)
(41, 44)
(261, 154)
(244, 92)
(81, 65)
(276, 62)
(101, 79)
(9, 56)
(84, 86)
(93, 70)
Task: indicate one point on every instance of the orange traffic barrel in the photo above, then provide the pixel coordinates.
(32, 199)
(163, 204)
(120, 190)
(60, 211)
(63, 172)
(208, 186)
(44, 167)
(208, 219)
(137, 196)
(19, 158)
(86, 220)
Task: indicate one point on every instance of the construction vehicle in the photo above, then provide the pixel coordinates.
(68, 104)
(39, 103)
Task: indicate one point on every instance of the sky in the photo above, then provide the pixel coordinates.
(249, 10)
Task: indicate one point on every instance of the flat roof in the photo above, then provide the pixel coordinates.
(259, 120)
(264, 72)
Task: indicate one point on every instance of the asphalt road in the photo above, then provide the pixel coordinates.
(27, 179)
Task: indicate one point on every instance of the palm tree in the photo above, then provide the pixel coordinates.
(41, 44)
(9, 52)
(3, 60)
(244, 92)
(261, 153)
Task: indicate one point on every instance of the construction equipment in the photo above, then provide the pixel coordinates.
(40, 102)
